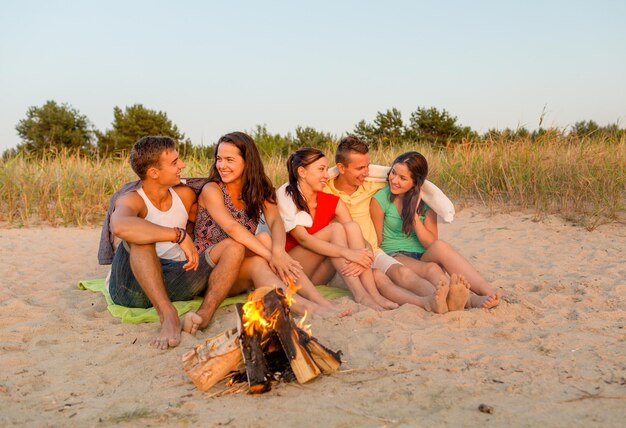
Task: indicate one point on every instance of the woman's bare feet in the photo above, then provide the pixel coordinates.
(459, 293)
(386, 303)
(332, 311)
(368, 301)
(485, 302)
(437, 302)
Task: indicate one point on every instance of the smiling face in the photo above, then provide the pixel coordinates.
(314, 175)
(356, 169)
(169, 170)
(400, 180)
(229, 163)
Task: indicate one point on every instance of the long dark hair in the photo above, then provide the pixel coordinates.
(418, 168)
(257, 187)
(300, 158)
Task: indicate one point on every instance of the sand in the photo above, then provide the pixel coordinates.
(552, 354)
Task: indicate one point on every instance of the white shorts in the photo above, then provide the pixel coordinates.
(383, 261)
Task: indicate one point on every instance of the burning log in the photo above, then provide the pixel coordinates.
(328, 361)
(266, 336)
(208, 363)
(300, 360)
(256, 365)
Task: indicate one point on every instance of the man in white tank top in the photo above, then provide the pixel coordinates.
(157, 262)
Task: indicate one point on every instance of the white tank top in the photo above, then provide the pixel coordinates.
(176, 216)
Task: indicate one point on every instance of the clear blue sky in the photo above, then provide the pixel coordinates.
(214, 67)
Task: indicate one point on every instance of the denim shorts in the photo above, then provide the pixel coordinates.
(179, 283)
(411, 254)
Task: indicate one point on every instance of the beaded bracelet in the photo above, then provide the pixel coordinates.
(183, 235)
(178, 233)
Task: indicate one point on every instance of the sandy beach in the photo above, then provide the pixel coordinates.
(552, 354)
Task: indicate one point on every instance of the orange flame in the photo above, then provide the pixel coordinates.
(292, 289)
(254, 319)
(305, 327)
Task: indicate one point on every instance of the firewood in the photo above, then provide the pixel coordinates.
(300, 360)
(256, 365)
(208, 363)
(269, 340)
(327, 360)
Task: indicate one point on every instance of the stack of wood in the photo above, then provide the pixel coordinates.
(255, 350)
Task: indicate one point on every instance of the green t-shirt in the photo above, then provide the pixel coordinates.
(393, 237)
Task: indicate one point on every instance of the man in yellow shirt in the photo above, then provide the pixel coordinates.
(394, 280)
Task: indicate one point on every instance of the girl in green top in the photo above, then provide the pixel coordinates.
(407, 229)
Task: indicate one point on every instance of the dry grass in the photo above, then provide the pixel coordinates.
(582, 180)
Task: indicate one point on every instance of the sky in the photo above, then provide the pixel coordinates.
(220, 66)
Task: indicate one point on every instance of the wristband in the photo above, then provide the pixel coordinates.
(183, 235)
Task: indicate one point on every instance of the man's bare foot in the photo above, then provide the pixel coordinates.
(194, 321)
(459, 293)
(437, 302)
(169, 336)
(485, 302)
(191, 322)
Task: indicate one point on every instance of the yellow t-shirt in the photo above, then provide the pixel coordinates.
(359, 205)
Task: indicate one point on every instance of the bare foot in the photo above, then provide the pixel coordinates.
(459, 293)
(485, 302)
(169, 336)
(333, 311)
(194, 321)
(191, 322)
(386, 303)
(437, 302)
(367, 300)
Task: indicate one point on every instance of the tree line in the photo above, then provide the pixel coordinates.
(54, 127)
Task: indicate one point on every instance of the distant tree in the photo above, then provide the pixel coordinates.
(589, 128)
(311, 137)
(9, 153)
(507, 134)
(52, 127)
(271, 144)
(437, 127)
(585, 128)
(387, 128)
(135, 122)
(547, 134)
(365, 132)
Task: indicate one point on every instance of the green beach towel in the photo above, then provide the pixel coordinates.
(139, 315)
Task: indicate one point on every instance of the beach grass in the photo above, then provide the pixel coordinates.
(581, 179)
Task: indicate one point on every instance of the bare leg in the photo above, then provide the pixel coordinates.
(429, 271)
(307, 287)
(408, 279)
(256, 271)
(356, 241)
(434, 302)
(146, 268)
(228, 255)
(324, 272)
(443, 254)
(311, 261)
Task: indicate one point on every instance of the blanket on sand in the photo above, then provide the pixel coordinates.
(140, 315)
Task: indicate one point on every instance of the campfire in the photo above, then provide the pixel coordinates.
(266, 344)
